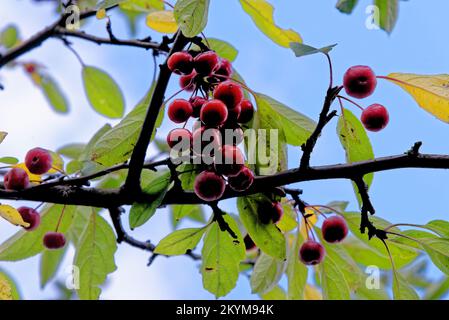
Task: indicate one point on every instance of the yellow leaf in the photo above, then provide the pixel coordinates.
(162, 21)
(33, 177)
(312, 293)
(5, 289)
(431, 92)
(312, 220)
(12, 215)
(37, 78)
(262, 14)
(101, 14)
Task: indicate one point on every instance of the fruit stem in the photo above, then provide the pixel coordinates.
(331, 72)
(351, 101)
(39, 205)
(324, 207)
(60, 218)
(172, 96)
(235, 80)
(392, 79)
(407, 225)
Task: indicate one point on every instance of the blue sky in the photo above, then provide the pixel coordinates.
(417, 45)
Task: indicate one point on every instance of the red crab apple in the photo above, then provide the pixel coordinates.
(246, 111)
(187, 82)
(177, 135)
(375, 117)
(230, 93)
(270, 212)
(30, 216)
(54, 240)
(209, 186)
(38, 161)
(229, 160)
(359, 81)
(180, 110)
(207, 62)
(205, 142)
(214, 113)
(16, 179)
(242, 181)
(225, 69)
(311, 253)
(180, 62)
(334, 229)
(249, 243)
(197, 103)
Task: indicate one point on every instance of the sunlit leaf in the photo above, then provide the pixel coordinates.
(191, 16)
(11, 215)
(262, 14)
(296, 272)
(142, 5)
(180, 241)
(9, 160)
(162, 21)
(402, 289)
(222, 48)
(277, 293)
(301, 50)
(388, 13)
(333, 282)
(312, 293)
(266, 273)
(9, 37)
(72, 150)
(8, 287)
(49, 264)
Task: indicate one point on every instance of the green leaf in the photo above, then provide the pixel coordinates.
(26, 244)
(277, 293)
(8, 287)
(346, 6)
(355, 142)
(296, 272)
(340, 206)
(54, 95)
(9, 37)
(155, 184)
(72, 150)
(440, 227)
(388, 13)
(9, 160)
(105, 4)
(301, 50)
(222, 255)
(180, 241)
(333, 282)
(437, 290)
(195, 212)
(87, 152)
(266, 273)
(116, 145)
(49, 264)
(142, 5)
(402, 289)
(80, 223)
(95, 257)
(191, 16)
(187, 175)
(296, 126)
(103, 93)
(288, 220)
(261, 12)
(266, 236)
(222, 48)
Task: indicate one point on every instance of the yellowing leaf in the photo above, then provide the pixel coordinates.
(431, 92)
(312, 220)
(312, 293)
(5, 289)
(262, 14)
(33, 177)
(162, 21)
(3, 136)
(101, 14)
(12, 215)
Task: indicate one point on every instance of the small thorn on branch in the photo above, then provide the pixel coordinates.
(414, 150)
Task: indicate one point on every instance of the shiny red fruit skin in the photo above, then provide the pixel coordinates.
(30, 216)
(205, 63)
(311, 253)
(229, 161)
(188, 82)
(180, 110)
(206, 137)
(16, 179)
(214, 113)
(242, 181)
(225, 70)
(246, 111)
(209, 186)
(180, 63)
(334, 229)
(197, 103)
(177, 135)
(249, 243)
(359, 81)
(230, 93)
(38, 161)
(375, 117)
(54, 240)
(278, 212)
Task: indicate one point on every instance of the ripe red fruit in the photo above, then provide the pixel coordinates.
(229, 160)
(209, 186)
(214, 113)
(232, 134)
(54, 240)
(205, 142)
(225, 69)
(180, 110)
(375, 117)
(311, 253)
(38, 161)
(197, 103)
(180, 63)
(31, 216)
(242, 181)
(249, 243)
(359, 81)
(16, 179)
(277, 213)
(30, 67)
(246, 111)
(270, 212)
(233, 114)
(230, 93)
(177, 135)
(207, 62)
(187, 82)
(334, 229)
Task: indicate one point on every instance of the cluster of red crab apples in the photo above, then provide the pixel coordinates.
(38, 161)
